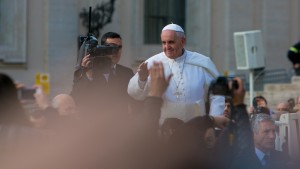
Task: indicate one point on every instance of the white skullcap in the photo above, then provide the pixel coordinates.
(173, 27)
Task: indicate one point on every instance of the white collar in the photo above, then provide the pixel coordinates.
(260, 154)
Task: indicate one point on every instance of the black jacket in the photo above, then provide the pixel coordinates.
(99, 95)
(249, 160)
(294, 53)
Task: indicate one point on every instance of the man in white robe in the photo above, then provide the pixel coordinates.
(192, 74)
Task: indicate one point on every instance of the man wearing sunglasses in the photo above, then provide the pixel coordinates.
(104, 90)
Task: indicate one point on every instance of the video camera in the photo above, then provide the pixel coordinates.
(100, 54)
(91, 47)
(220, 86)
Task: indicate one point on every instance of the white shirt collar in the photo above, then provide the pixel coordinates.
(260, 154)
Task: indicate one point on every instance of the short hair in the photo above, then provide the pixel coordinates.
(111, 35)
(257, 119)
(258, 97)
(228, 99)
(171, 123)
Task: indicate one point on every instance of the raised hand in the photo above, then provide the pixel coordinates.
(158, 82)
(86, 61)
(239, 93)
(143, 71)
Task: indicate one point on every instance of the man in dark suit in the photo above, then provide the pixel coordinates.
(101, 85)
(263, 155)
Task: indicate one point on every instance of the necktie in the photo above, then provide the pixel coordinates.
(266, 160)
(113, 71)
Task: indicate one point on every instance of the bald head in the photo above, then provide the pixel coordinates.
(64, 104)
(282, 107)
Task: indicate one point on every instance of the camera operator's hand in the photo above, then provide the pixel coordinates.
(143, 71)
(86, 63)
(158, 83)
(239, 93)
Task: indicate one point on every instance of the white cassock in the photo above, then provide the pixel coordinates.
(187, 92)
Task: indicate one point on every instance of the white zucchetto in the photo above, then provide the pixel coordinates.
(173, 27)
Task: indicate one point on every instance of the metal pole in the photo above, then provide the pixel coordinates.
(251, 86)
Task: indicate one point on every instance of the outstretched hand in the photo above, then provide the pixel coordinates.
(143, 71)
(158, 82)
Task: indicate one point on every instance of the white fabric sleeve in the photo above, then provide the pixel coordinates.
(142, 84)
(134, 89)
(217, 104)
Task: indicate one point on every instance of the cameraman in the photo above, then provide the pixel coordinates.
(260, 105)
(103, 89)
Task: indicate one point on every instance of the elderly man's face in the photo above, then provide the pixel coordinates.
(264, 139)
(282, 107)
(172, 44)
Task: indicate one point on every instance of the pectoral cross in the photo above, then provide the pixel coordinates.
(177, 94)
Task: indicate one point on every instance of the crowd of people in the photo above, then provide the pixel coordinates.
(166, 116)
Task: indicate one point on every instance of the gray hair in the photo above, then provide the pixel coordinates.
(257, 119)
(180, 34)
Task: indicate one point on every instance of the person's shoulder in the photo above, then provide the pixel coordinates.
(196, 55)
(123, 67)
(124, 70)
(279, 155)
(246, 159)
(197, 58)
(156, 57)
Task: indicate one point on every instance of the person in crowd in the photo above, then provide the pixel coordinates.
(192, 74)
(12, 111)
(259, 101)
(263, 154)
(227, 107)
(293, 55)
(14, 124)
(169, 126)
(291, 102)
(102, 84)
(281, 108)
(260, 105)
(193, 143)
(65, 105)
(297, 106)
